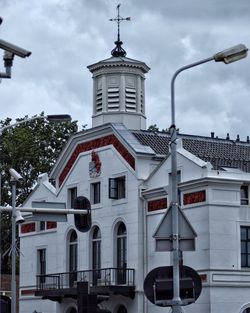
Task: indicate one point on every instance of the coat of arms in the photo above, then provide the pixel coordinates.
(94, 165)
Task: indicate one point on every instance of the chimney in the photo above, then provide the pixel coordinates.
(212, 134)
(238, 138)
(228, 137)
(248, 139)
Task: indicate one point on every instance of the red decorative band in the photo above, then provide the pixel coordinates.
(28, 228)
(194, 197)
(28, 292)
(51, 225)
(203, 277)
(158, 204)
(95, 144)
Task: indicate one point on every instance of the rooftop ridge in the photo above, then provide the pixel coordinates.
(191, 136)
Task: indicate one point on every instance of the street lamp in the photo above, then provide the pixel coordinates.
(227, 56)
(14, 179)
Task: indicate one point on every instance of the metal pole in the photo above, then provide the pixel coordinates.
(176, 307)
(13, 249)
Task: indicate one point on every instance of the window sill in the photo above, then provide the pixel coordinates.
(119, 201)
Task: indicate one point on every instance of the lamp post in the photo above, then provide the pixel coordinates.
(14, 181)
(227, 56)
(50, 118)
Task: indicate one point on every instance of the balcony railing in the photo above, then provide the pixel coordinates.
(95, 278)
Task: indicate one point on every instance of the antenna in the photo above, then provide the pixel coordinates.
(118, 50)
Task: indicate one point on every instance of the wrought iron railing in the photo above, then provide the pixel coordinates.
(100, 277)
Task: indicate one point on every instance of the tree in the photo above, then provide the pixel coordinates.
(155, 128)
(31, 148)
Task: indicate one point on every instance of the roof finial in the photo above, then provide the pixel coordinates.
(118, 51)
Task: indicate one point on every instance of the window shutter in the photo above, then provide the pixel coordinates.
(113, 188)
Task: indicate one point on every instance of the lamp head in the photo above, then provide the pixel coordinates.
(232, 54)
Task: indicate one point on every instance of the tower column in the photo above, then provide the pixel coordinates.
(138, 95)
(104, 93)
(122, 99)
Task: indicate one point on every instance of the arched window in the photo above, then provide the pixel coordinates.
(96, 254)
(247, 310)
(121, 250)
(72, 254)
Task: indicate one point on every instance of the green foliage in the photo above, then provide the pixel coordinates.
(31, 148)
(155, 128)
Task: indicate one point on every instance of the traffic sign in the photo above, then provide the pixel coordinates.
(158, 285)
(52, 217)
(164, 232)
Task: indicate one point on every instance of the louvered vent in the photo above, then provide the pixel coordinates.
(113, 99)
(99, 100)
(142, 101)
(130, 100)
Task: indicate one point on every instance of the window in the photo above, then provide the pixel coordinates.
(41, 226)
(73, 252)
(95, 191)
(96, 254)
(117, 187)
(121, 250)
(245, 246)
(41, 256)
(247, 310)
(72, 258)
(72, 196)
(122, 309)
(244, 199)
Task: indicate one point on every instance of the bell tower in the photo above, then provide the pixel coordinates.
(118, 87)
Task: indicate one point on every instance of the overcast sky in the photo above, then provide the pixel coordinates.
(65, 36)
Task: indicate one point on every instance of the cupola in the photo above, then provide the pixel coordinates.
(118, 88)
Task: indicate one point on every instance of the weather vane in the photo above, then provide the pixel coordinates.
(118, 51)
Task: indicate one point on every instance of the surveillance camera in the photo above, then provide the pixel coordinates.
(14, 49)
(19, 218)
(15, 175)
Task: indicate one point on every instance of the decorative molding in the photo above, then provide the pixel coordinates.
(158, 204)
(95, 165)
(28, 292)
(95, 144)
(194, 197)
(28, 228)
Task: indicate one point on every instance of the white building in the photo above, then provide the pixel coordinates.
(125, 172)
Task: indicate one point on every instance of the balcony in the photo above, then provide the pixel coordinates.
(102, 282)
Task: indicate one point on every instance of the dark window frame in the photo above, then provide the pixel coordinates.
(96, 253)
(244, 195)
(245, 246)
(95, 192)
(42, 264)
(72, 196)
(117, 187)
